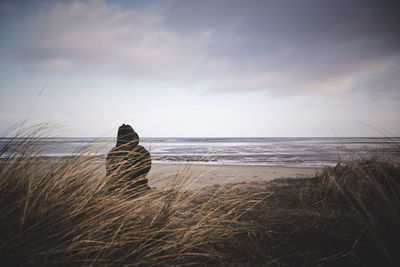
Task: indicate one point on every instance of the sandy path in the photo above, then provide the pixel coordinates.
(205, 175)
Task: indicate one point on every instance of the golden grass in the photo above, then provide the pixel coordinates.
(62, 213)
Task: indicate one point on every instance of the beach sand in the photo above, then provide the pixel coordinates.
(201, 175)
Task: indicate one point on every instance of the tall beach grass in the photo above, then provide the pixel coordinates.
(63, 213)
(56, 212)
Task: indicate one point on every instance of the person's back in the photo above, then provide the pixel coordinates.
(128, 163)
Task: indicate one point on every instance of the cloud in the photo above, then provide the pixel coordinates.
(290, 46)
(96, 37)
(383, 83)
(277, 47)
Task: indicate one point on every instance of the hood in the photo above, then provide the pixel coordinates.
(126, 135)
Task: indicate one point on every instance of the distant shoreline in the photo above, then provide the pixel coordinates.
(293, 152)
(102, 157)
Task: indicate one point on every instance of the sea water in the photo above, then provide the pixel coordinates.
(305, 151)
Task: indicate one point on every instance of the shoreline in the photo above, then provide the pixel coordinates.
(220, 163)
(200, 175)
(101, 158)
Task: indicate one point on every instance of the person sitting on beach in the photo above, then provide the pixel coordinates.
(128, 163)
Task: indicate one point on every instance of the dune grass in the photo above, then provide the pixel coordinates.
(62, 213)
(346, 216)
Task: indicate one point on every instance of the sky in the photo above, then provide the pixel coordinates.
(209, 68)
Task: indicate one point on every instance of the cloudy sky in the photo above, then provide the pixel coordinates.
(202, 68)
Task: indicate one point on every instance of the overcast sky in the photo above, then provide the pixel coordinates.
(202, 68)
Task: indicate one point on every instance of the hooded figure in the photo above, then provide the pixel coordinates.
(128, 163)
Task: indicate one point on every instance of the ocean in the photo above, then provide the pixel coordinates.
(301, 152)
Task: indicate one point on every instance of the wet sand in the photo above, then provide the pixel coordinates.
(201, 175)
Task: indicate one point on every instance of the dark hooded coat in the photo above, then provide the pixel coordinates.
(128, 163)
